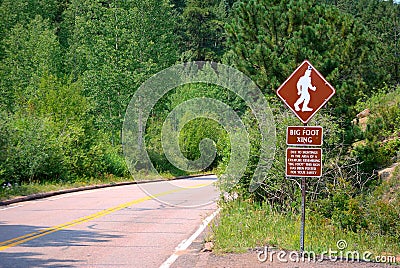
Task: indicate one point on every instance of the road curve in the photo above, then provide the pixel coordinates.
(111, 227)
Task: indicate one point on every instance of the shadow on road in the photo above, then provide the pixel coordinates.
(31, 259)
(22, 256)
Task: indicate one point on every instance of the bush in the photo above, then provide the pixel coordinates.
(31, 151)
(380, 139)
(376, 213)
(383, 208)
(115, 162)
(53, 138)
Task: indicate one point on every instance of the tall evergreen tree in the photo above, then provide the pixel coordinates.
(204, 29)
(383, 19)
(268, 39)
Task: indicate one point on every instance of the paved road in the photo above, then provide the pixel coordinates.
(111, 227)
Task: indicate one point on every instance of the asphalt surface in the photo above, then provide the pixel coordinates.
(110, 227)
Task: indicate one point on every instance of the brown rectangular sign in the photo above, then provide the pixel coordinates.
(303, 162)
(306, 136)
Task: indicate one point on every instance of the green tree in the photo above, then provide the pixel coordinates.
(178, 5)
(29, 52)
(204, 29)
(268, 39)
(23, 11)
(383, 19)
(40, 134)
(113, 47)
(53, 138)
(194, 131)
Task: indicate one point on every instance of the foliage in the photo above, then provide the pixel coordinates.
(383, 19)
(368, 204)
(268, 39)
(113, 47)
(69, 68)
(379, 141)
(375, 213)
(30, 51)
(53, 138)
(277, 189)
(195, 130)
(204, 29)
(14, 13)
(383, 208)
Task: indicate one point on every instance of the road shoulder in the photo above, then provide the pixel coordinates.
(196, 256)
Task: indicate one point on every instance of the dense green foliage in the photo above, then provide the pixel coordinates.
(68, 70)
(378, 138)
(203, 29)
(383, 20)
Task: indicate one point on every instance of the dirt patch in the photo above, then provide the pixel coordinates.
(250, 259)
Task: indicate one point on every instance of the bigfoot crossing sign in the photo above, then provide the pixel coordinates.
(305, 91)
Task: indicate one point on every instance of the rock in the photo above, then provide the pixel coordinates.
(386, 173)
(208, 246)
(363, 114)
(363, 123)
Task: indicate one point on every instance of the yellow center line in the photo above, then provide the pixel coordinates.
(25, 238)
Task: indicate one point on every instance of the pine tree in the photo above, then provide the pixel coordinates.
(383, 19)
(204, 29)
(268, 39)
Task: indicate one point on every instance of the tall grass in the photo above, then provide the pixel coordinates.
(243, 225)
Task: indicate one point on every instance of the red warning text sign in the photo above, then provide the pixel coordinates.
(303, 162)
(306, 136)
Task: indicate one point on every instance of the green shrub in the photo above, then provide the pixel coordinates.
(53, 138)
(381, 141)
(31, 152)
(115, 162)
(197, 130)
(372, 156)
(383, 208)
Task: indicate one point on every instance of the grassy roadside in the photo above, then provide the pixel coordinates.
(243, 225)
(9, 191)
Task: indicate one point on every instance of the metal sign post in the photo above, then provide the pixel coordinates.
(303, 213)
